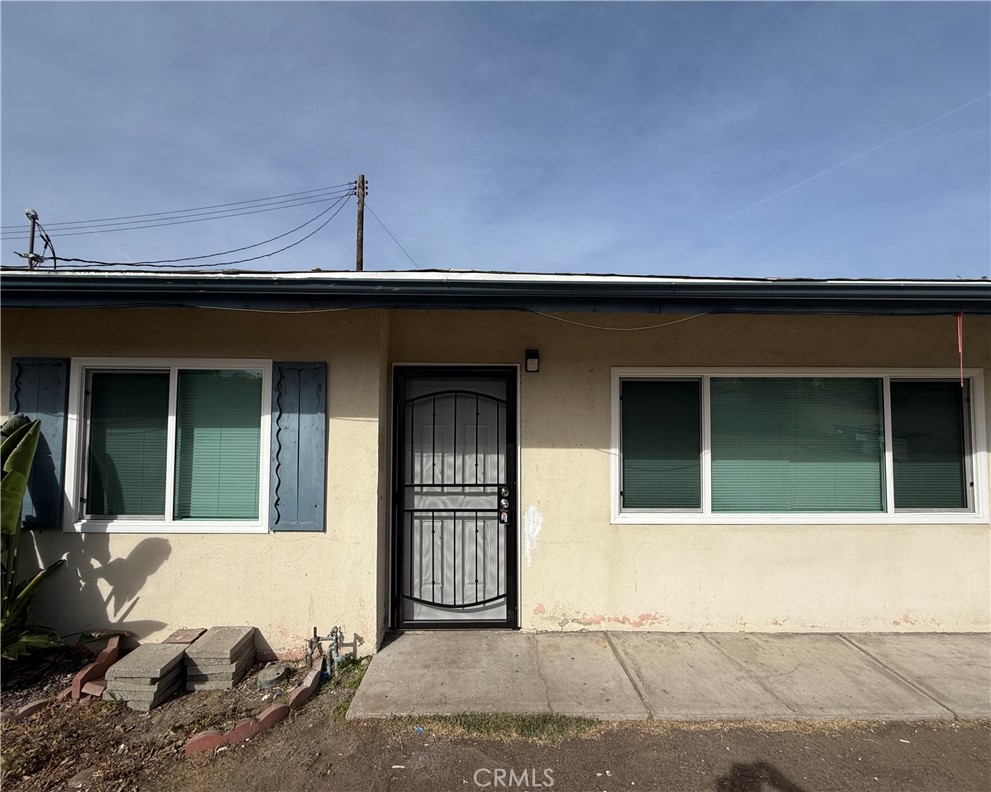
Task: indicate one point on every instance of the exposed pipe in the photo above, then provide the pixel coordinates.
(333, 658)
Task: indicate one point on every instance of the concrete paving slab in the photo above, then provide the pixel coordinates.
(583, 676)
(150, 661)
(129, 684)
(683, 677)
(441, 673)
(185, 636)
(152, 695)
(223, 644)
(953, 668)
(822, 676)
(148, 706)
(240, 665)
(210, 684)
(678, 676)
(227, 679)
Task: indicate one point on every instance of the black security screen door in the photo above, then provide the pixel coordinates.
(454, 498)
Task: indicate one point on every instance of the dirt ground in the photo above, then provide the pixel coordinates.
(108, 747)
(316, 753)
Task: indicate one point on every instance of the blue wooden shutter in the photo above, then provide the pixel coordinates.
(299, 446)
(39, 388)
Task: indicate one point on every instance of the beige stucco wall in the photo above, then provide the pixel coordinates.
(585, 573)
(582, 571)
(284, 584)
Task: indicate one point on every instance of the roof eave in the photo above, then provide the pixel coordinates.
(78, 290)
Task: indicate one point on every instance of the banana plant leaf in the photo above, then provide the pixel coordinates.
(16, 457)
(15, 609)
(28, 639)
(17, 454)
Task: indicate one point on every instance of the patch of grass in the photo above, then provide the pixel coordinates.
(347, 677)
(542, 727)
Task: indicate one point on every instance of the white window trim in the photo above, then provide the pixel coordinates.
(978, 447)
(74, 522)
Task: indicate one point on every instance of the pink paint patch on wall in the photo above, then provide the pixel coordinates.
(538, 609)
(638, 621)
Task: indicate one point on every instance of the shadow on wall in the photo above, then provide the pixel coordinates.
(44, 491)
(265, 652)
(756, 777)
(83, 604)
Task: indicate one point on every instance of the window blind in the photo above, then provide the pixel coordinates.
(661, 444)
(218, 443)
(927, 427)
(128, 429)
(797, 445)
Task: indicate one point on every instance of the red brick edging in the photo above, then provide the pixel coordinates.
(86, 685)
(6, 716)
(97, 669)
(263, 721)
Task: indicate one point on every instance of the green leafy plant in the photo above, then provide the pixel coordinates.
(17, 637)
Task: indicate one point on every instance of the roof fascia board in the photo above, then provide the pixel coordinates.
(57, 290)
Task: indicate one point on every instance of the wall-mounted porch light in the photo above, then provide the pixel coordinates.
(533, 360)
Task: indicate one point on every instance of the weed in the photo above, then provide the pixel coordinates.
(347, 677)
(540, 727)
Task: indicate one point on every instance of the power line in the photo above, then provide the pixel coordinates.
(215, 216)
(48, 244)
(195, 208)
(390, 234)
(156, 265)
(620, 329)
(221, 253)
(191, 213)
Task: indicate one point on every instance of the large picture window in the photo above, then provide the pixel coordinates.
(167, 445)
(744, 446)
(784, 444)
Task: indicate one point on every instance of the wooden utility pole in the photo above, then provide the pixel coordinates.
(359, 263)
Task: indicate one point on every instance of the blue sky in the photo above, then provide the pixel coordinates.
(556, 137)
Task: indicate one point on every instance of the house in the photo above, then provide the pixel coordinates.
(446, 449)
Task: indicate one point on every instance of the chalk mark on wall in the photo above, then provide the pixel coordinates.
(533, 522)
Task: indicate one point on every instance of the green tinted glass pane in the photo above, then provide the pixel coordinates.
(218, 444)
(927, 428)
(125, 470)
(662, 444)
(797, 445)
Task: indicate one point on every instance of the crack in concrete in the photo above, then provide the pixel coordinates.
(540, 673)
(885, 667)
(636, 688)
(748, 673)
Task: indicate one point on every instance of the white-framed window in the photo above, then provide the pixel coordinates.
(168, 445)
(806, 446)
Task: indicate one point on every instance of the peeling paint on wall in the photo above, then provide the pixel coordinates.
(533, 522)
(603, 621)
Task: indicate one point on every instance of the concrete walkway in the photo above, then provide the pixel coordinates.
(682, 676)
